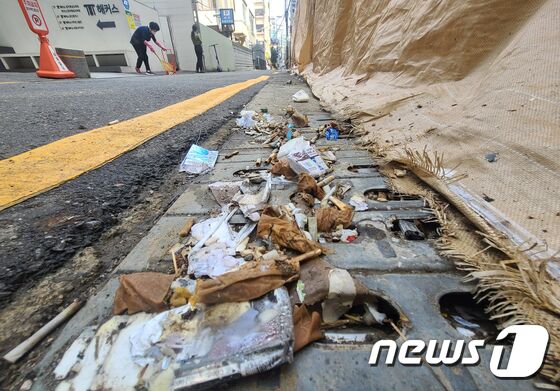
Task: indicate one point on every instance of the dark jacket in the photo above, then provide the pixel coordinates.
(142, 34)
(195, 37)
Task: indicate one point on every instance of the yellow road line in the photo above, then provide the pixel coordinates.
(38, 170)
(11, 82)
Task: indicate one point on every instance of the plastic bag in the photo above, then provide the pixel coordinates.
(300, 97)
(294, 145)
(246, 121)
(198, 160)
(307, 161)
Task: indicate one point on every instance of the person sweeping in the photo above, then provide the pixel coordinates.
(140, 42)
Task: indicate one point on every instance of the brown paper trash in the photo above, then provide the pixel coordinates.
(300, 120)
(282, 167)
(283, 232)
(303, 198)
(329, 218)
(250, 281)
(315, 276)
(308, 184)
(307, 327)
(144, 291)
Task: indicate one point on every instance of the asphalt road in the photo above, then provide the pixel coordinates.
(39, 235)
(36, 112)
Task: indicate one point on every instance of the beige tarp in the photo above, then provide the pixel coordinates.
(463, 78)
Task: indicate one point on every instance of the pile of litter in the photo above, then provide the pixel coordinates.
(251, 286)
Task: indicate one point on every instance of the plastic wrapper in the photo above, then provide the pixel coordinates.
(307, 161)
(294, 145)
(185, 348)
(246, 121)
(213, 261)
(359, 202)
(223, 233)
(252, 204)
(198, 160)
(300, 97)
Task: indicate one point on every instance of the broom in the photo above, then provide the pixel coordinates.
(168, 67)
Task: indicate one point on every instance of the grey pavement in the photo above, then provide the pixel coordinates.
(410, 277)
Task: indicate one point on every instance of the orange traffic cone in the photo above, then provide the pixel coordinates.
(50, 64)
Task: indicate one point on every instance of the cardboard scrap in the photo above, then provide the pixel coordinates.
(342, 292)
(284, 232)
(329, 218)
(307, 327)
(334, 287)
(250, 281)
(308, 184)
(143, 291)
(282, 167)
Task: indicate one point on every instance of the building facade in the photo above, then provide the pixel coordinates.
(244, 17)
(103, 30)
(262, 19)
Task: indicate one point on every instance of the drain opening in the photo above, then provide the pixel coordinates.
(250, 172)
(416, 229)
(467, 316)
(365, 323)
(364, 168)
(383, 195)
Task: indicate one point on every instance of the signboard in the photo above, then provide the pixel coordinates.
(130, 20)
(226, 16)
(34, 16)
(126, 5)
(68, 16)
(101, 9)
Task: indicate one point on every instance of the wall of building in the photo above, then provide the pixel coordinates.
(243, 58)
(245, 20)
(179, 13)
(111, 45)
(180, 16)
(244, 11)
(262, 24)
(224, 48)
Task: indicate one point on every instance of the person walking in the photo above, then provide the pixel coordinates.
(140, 42)
(197, 42)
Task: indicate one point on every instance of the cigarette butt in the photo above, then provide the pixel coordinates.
(326, 181)
(186, 228)
(230, 155)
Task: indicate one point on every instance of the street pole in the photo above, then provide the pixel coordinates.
(195, 8)
(287, 59)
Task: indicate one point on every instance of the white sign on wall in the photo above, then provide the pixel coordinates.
(68, 16)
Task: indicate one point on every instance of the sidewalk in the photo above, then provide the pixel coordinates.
(408, 275)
